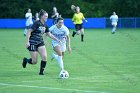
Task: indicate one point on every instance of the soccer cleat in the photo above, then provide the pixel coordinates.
(73, 34)
(24, 63)
(113, 32)
(24, 34)
(41, 73)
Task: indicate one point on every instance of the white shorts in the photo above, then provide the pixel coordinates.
(114, 23)
(62, 46)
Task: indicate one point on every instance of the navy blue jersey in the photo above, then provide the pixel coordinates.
(37, 34)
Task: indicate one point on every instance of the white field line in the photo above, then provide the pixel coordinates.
(53, 88)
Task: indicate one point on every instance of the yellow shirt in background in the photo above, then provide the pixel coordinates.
(78, 18)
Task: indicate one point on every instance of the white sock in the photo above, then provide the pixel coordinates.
(113, 29)
(25, 31)
(55, 56)
(60, 62)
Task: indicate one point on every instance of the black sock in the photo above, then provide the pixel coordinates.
(73, 34)
(42, 66)
(82, 37)
(29, 60)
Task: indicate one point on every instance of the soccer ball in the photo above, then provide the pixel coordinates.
(64, 74)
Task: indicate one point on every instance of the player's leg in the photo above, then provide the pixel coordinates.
(56, 56)
(25, 30)
(34, 55)
(59, 56)
(114, 28)
(63, 54)
(82, 34)
(77, 30)
(43, 53)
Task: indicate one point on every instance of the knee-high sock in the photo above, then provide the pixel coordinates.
(82, 37)
(29, 60)
(60, 62)
(113, 29)
(55, 56)
(25, 31)
(42, 66)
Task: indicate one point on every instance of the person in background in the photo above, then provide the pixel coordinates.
(77, 19)
(114, 20)
(29, 21)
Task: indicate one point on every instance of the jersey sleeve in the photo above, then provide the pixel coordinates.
(82, 16)
(35, 26)
(110, 17)
(51, 29)
(67, 30)
(73, 18)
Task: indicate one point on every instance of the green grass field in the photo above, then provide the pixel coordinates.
(103, 63)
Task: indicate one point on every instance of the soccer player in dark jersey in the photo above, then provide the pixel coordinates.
(77, 19)
(35, 43)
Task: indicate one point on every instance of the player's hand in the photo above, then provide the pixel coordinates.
(86, 21)
(73, 22)
(27, 44)
(69, 49)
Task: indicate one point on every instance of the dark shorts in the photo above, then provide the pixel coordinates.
(34, 48)
(78, 27)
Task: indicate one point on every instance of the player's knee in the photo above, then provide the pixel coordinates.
(78, 33)
(59, 54)
(44, 57)
(34, 61)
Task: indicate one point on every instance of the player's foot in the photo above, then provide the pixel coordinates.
(24, 63)
(53, 56)
(73, 34)
(41, 73)
(113, 32)
(82, 40)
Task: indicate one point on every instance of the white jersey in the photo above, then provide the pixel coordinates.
(114, 18)
(29, 20)
(60, 33)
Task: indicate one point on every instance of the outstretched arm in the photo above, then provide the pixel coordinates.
(53, 37)
(69, 46)
(27, 38)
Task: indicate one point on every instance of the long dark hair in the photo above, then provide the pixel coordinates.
(41, 13)
(60, 18)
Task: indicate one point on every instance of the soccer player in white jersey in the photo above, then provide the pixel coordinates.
(60, 31)
(114, 20)
(29, 21)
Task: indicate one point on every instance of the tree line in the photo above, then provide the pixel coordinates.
(90, 8)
